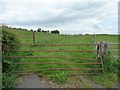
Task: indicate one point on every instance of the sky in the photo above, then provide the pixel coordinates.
(67, 16)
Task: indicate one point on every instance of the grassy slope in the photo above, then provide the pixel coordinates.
(44, 38)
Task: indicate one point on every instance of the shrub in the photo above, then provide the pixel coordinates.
(55, 32)
(8, 40)
(8, 80)
(31, 30)
(111, 64)
(60, 77)
(7, 44)
(39, 30)
(27, 53)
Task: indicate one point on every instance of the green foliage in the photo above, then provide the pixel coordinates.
(27, 53)
(108, 80)
(111, 65)
(110, 77)
(8, 67)
(8, 80)
(60, 77)
(55, 32)
(39, 30)
(8, 40)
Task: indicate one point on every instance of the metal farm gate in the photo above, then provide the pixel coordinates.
(76, 65)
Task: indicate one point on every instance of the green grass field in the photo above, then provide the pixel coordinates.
(46, 38)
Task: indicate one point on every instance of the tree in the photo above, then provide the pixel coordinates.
(42, 31)
(55, 32)
(39, 30)
(31, 30)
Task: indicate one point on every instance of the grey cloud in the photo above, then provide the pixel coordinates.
(2, 7)
(74, 12)
(57, 14)
(86, 5)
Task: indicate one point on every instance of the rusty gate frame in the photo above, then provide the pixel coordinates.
(53, 51)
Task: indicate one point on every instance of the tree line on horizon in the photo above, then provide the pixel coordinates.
(47, 31)
(38, 30)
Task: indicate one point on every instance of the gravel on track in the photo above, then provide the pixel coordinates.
(32, 81)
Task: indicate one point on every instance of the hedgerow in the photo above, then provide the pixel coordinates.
(8, 77)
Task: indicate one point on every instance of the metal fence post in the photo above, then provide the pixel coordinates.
(52, 55)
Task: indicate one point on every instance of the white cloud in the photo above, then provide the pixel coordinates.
(78, 16)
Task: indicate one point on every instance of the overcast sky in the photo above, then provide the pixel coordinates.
(68, 16)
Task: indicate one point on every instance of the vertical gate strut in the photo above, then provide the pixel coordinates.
(52, 56)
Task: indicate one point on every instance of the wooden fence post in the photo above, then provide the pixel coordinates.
(103, 51)
(33, 37)
(94, 38)
(103, 47)
(100, 55)
(106, 48)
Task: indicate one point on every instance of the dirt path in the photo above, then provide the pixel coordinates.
(32, 81)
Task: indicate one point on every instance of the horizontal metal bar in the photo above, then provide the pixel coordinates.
(27, 57)
(51, 50)
(114, 43)
(115, 56)
(75, 69)
(27, 71)
(60, 69)
(54, 63)
(56, 44)
(49, 57)
(75, 58)
(67, 75)
(84, 74)
(114, 50)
